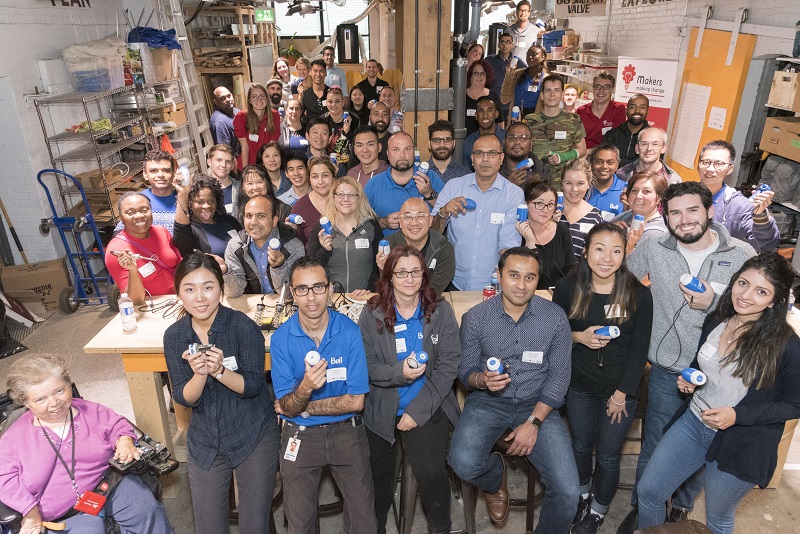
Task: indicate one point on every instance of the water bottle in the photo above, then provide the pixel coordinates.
(333, 158)
(416, 157)
(560, 202)
(383, 247)
(469, 204)
(494, 364)
(325, 223)
(312, 358)
(522, 213)
(186, 176)
(694, 376)
(275, 243)
(127, 313)
(525, 164)
(515, 112)
(638, 222)
(690, 282)
(296, 219)
(418, 359)
(424, 167)
(610, 331)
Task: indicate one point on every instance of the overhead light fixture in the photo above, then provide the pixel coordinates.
(302, 7)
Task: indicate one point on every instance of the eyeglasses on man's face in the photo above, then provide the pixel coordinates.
(718, 165)
(417, 217)
(480, 154)
(441, 140)
(317, 289)
(654, 144)
(403, 274)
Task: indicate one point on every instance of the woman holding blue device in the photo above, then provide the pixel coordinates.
(734, 422)
(610, 313)
(410, 399)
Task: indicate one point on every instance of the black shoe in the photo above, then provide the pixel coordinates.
(631, 521)
(587, 525)
(676, 515)
(583, 508)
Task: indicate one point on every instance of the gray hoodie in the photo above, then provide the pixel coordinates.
(676, 327)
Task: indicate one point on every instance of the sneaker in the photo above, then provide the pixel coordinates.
(583, 508)
(676, 515)
(587, 525)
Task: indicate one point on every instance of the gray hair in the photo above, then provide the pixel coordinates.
(32, 370)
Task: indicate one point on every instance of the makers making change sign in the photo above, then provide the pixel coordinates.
(576, 8)
(653, 78)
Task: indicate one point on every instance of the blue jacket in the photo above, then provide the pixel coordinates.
(733, 210)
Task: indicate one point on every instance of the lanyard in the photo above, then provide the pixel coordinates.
(71, 472)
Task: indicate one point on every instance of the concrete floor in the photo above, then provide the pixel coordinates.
(101, 378)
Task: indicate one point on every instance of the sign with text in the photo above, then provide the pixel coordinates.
(643, 3)
(265, 15)
(580, 8)
(653, 78)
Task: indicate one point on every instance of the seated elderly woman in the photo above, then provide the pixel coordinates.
(153, 271)
(55, 454)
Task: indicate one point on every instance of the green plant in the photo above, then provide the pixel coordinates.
(291, 51)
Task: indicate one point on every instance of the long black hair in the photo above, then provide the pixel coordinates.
(194, 261)
(626, 286)
(760, 344)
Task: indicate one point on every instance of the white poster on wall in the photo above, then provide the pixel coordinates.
(653, 78)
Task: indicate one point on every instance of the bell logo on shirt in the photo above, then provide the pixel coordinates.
(435, 339)
(338, 360)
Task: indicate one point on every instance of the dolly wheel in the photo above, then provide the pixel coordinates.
(66, 301)
(113, 298)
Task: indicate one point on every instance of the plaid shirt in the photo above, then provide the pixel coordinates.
(224, 423)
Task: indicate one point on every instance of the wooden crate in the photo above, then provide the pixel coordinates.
(785, 92)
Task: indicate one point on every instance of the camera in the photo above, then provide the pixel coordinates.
(154, 459)
(194, 348)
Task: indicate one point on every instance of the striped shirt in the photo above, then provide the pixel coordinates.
(580, 228)
(535, 350)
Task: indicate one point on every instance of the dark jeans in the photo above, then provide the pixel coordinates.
(255, 480)
(426, 450)
(592, 430)
(344, 449)
(484, 420)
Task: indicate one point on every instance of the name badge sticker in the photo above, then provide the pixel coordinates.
(612, 311)
(229, 363)
(432, 264)
(533, 356)
(471, 112)
(585, 227)
(362, 243)
(400, 344)
(706, 351)
(718, 288)
(605, 130)
(498, 218)
(400, 327)
(147, 269)
(336, 374)
(253, 137)
(560, 135)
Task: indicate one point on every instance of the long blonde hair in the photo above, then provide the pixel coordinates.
(252, 119)
(364, 211)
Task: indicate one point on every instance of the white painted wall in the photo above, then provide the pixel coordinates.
(32, 30)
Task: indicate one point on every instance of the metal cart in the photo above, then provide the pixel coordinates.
(86, 287)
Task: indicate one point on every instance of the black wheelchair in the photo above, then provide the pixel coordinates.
(155, 462)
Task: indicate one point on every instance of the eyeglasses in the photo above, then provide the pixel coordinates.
(654, 144)
(478, 73)
(416, 273)
(441, 140)
(718, 165)
(518, 137)
(598, 87)
(258, 97)
(417, 217)
(539, 205)
(479, 154)
(317, 289)
(506, 42)
(346, 196)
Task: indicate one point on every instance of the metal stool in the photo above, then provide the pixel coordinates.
(532, 498)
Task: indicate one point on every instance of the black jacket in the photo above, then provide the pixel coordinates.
(622, 138)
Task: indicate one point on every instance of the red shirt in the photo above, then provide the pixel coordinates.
(156, 279)
(595, 126)
(255, 142)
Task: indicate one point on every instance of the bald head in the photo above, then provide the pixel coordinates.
(415, 221)
(223, 100)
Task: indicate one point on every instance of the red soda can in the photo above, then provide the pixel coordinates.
(488, 292)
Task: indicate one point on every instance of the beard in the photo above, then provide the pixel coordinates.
(401, 166)
(381, 126)
(276, 100)
(691, 238)
(441, 154)
(636, 121)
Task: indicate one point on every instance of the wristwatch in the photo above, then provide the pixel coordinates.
(434, 195)
(535, 421)
(221, 372)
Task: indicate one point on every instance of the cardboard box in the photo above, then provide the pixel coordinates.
(166, 114)
(165, 63)
(46, 278)
(94, 179)
(785, 92)
(782, 137)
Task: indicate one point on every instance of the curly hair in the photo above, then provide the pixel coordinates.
(202, 181)
(487, 68)
(32, 370)
(384, 297)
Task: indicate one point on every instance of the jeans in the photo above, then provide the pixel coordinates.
(485, 418)
(678, 456)
(426, 449)
(132, 505)
(663, 400)
(592, 430)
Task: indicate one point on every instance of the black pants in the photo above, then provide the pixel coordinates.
(426, 447)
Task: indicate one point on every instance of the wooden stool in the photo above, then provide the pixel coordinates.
(532, 498)
(682, 527)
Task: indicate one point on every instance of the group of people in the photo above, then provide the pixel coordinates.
(299, 203)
